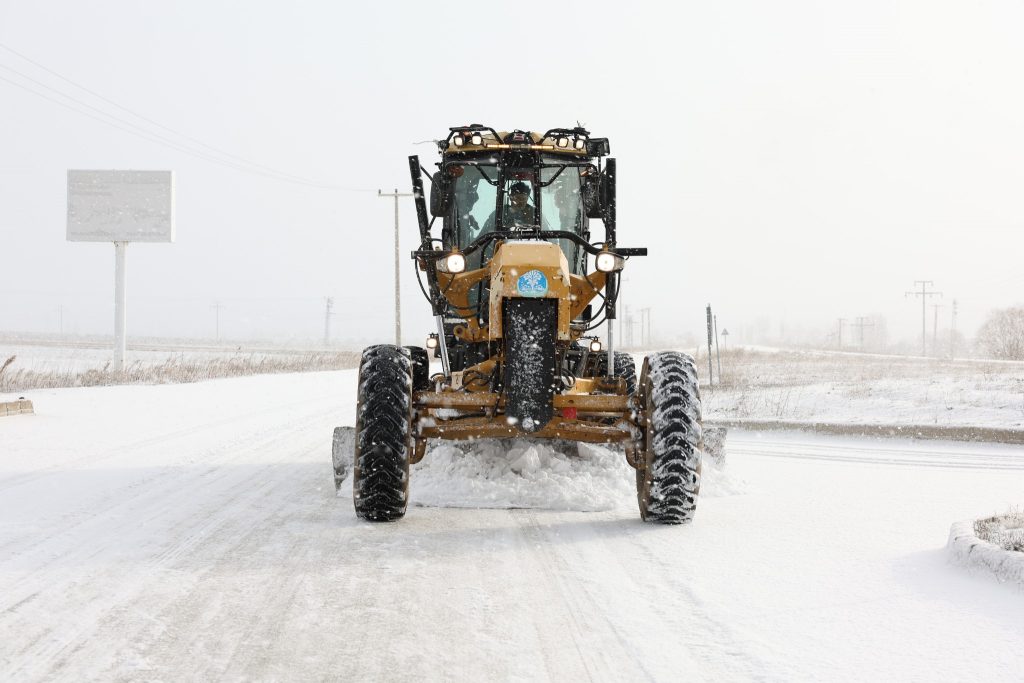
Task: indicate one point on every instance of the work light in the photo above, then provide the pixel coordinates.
(431, 341)
(595, 345)
(455, 262)
(477, 139)
(606, 262)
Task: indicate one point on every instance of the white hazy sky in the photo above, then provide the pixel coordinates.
(792, 161)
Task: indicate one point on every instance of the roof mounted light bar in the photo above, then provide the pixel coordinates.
(557, 139)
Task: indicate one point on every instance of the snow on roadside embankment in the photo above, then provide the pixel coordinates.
(873, 391)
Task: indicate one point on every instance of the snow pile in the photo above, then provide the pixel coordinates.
(520, 473)
(967, 550)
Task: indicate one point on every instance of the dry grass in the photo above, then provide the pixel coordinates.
(174, 370)
(1005, 531)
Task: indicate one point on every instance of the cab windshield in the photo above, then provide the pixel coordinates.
(561, 206)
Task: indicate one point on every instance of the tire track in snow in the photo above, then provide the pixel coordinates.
(645, 602)
(922, 457)
(216, 512)
(618, 657)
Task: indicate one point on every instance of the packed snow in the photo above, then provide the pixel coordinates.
(193, 532)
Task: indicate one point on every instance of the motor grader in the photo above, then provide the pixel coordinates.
(517, 285)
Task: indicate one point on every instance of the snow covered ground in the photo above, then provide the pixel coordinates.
(192, 531)
(865, 389)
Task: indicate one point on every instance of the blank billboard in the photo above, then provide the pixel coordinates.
(120, 206)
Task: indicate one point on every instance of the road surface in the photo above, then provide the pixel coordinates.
(193, 532)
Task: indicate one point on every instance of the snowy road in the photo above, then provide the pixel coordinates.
(192, 532)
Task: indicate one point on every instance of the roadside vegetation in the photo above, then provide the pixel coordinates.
(172, 370)
(1005, 531)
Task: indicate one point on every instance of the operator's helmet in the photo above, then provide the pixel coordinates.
(519, 188)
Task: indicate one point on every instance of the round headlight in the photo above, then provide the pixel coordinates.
(605, 262)
(477, 139)
(432, 341)
(455, 262)
(595, 345)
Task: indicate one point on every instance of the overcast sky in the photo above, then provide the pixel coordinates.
(788, 161)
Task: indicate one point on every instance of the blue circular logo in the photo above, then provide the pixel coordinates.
(533, 283)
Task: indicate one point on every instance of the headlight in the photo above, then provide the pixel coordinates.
(580, 143)
(595, 345)
(606, 262)
(477, 139)
(432, 341)
(459, 140)
(562, 142)
(455, 262)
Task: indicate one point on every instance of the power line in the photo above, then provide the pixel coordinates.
(140, 116)
(240, 163)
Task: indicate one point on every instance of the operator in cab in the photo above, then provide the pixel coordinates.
(519, 213)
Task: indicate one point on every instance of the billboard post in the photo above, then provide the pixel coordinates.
(120, 207)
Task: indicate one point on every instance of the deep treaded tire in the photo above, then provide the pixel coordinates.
(381, 467)
(420, 368)
(625, 366)
(668, 484)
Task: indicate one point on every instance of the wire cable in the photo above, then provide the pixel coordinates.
(240, 163)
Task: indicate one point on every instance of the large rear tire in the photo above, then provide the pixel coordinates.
(668, 481)
(380, 477)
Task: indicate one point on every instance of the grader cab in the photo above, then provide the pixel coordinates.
(517, 285)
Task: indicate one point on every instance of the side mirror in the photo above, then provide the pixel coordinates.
(591, 190)
(441, 188)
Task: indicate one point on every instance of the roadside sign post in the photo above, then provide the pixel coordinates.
(120, 207)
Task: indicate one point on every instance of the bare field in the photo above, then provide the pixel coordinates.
(864, 389)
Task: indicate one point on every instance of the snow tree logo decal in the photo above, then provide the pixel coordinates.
(532, 283)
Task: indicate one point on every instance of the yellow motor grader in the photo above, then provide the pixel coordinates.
(516, 284)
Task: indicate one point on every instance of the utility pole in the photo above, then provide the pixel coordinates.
(711, 374)
(952, 334)
(717, 352)
(398, 302)
(217, 306)
(60, 319)
(645, 327)
(860, 325)
(622, 320)
(935, 329)
(328, 312)
(924, 294)
(839, 344)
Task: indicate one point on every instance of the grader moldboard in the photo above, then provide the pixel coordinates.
(513, 298)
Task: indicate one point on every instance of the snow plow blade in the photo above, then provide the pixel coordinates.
(342, 450)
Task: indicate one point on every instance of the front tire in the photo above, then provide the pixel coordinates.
(380, 477)
(668, 480)
(625, 367)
